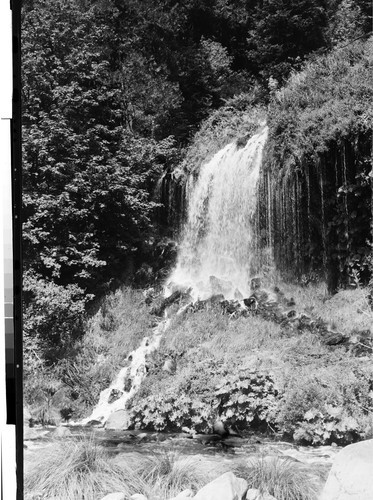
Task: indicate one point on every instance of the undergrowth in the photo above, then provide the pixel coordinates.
(303, 394)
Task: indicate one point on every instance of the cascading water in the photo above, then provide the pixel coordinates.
(218, 246)
(218, 239)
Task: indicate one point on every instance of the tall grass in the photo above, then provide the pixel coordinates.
(78, 470)
(282, 478)
(82, 470)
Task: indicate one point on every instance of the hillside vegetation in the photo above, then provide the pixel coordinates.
(120, 97)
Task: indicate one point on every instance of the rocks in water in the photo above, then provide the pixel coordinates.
(351, 476)
(118, 420)
(114, 395)
(225, 487)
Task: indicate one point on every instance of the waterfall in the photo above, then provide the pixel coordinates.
(218, 240)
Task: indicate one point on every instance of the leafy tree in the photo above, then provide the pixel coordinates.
(88, 174)
(283, 33)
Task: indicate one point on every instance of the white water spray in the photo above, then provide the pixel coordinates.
(218, 240)
(136, 372)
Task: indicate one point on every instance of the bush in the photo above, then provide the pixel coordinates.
(54, 318)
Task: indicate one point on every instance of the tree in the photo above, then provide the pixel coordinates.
(88, 173)
(283, 33)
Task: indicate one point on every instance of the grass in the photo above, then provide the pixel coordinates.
(81, 470)
(76, 471)
(282, 478)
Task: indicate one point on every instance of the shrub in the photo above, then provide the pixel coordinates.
(247, 397)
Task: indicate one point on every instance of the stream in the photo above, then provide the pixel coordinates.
(118, 444)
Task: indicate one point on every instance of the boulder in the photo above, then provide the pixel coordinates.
(115, 496)
(61, 432)
(252, 494)
(183, 494)
(351, 477)
(225, 487)
(118, 420)
(138, 496)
